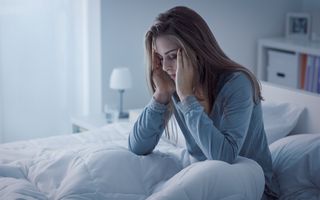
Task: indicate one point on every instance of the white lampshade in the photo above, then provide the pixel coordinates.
(120, 78)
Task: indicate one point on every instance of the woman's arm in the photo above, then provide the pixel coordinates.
(223, 144)
(148, 129)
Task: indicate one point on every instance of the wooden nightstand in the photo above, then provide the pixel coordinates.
(90, 122)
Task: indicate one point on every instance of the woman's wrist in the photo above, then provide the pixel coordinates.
(162, 98)
(183, 97)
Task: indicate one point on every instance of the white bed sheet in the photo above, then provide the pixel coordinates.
(98, 165)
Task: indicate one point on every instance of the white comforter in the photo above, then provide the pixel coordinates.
(98, 165)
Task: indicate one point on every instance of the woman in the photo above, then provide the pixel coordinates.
(215, 101)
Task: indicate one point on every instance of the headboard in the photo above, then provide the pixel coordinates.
(309, 121)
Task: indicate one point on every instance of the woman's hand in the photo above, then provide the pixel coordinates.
(165, 86)
(184, 75)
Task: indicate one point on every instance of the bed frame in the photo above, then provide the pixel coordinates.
(309, 121)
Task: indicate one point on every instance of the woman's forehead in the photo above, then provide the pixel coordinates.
(164, 43)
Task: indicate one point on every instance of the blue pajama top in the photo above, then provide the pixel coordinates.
(233, 127)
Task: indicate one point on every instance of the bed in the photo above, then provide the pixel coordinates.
(97, 164)
(296, 155)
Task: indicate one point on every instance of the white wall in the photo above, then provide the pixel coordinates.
(32, 69)
(236, 24)
(313, 7)
(1, 99)
(94, 55)
(50, 65)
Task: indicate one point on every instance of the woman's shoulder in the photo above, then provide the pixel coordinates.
(235, 81)
(235, 78)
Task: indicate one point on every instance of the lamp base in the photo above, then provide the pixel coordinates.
(123, 115)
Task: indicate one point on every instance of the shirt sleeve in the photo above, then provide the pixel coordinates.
(148, 128)
(223, 143)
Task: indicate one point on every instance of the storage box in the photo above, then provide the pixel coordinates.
(283, 68)
(284, 75)
(280, 58)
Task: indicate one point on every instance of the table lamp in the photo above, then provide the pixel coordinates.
(120, 80)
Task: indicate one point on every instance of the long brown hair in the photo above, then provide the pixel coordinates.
(194, 36)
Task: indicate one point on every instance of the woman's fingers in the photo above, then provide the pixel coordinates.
(185, 60)
(179, 59)
(155, 60)
(184, 78)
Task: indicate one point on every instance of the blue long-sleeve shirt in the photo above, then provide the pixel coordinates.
(233, 127)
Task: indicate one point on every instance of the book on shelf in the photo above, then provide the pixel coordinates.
(315, 75)
(318, 89)
(303, 70)
(309, 73)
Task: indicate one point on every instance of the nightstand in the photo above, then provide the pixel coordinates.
(90, 122)
(86, 123)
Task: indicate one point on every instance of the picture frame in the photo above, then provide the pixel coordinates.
(298, 26)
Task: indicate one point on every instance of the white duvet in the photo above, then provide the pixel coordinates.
(98, 165)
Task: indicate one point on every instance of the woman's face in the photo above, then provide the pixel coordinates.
(166, 49)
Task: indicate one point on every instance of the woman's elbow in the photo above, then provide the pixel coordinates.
(228, 159)
(230, 151)
(231, 155)
(228, 156)
(137, 149)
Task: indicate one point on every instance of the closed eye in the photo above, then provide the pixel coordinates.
(172, 56)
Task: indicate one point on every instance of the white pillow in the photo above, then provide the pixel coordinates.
(296, 164)
(279, 119)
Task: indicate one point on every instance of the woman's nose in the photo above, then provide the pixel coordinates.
(166, 65)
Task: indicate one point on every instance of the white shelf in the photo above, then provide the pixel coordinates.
(281, 44)
(298, 46)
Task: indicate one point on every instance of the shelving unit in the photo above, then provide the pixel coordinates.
(280, 60)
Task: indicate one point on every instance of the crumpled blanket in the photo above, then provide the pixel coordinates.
(98, 165)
